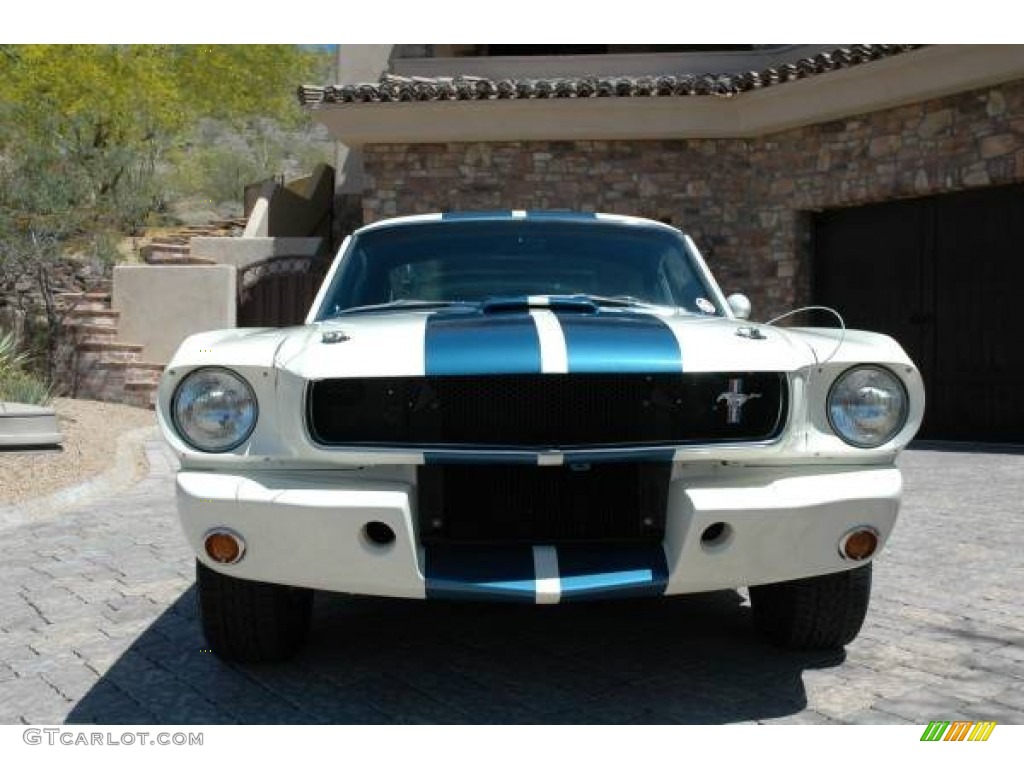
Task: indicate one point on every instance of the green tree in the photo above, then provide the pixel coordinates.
(83, 130)
(119, 108)
(52, 201)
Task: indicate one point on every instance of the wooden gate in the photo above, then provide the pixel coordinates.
(278, 292)
(944, 276)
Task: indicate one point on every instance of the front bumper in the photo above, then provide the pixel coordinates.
(308, 529)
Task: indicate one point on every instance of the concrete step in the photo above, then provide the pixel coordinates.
(147, 367)
(136, 370)
(130, 370)
(168, 243)
(91, 318)
(92, 326)
(94, 294)
(141, 394)
(94, 312)
(72, 301)
(109, 331)
(139, 400)
(96, 380)
(156, 248)
(175, 260)
(141, 381)
(95, 334)
(85, 305)
(88, 359)
(114, 348)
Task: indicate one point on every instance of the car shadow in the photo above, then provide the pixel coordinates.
(693, 659)
(958, 446)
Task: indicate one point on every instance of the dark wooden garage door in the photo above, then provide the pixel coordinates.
(945, 276)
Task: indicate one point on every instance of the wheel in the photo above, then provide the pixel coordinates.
(251, 620)
(822, 612)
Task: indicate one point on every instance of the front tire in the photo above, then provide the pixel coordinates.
(251, 621)
(818, 613)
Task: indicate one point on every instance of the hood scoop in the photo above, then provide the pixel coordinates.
(501, 304)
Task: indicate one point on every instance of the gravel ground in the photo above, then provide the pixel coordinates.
(90, 430)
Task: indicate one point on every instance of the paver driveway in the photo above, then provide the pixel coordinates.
(97, 624)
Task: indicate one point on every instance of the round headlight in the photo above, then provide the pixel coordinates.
(214, 410)
(867, 406)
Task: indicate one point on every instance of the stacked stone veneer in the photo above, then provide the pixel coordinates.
(92, 364)
(746, 202)
(22, 307)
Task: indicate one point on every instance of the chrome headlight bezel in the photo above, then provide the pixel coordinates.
(902, 415)
(189, 438)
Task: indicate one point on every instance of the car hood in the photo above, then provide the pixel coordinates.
(461, 342)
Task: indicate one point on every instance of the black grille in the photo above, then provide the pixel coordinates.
(543, 505)
(545, 411)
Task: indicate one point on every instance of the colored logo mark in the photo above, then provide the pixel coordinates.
(958, 730)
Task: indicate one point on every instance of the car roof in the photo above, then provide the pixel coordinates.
(508, 215)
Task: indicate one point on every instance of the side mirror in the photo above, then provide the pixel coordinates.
(739, 304)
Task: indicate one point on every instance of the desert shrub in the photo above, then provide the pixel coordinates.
(17, 384)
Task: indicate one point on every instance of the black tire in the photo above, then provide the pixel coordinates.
(251, 621)
(819, 613)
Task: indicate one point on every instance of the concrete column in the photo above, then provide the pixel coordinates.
(357, 64)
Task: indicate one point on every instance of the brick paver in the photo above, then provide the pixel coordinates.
(97, 624)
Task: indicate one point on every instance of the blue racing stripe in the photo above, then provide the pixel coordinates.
(597, 572)
(503, 574)
(458, 344)
(567, 215)
(474, 456)
(620, 342)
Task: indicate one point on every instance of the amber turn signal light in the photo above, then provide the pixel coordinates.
(224, 546)
(859, 544)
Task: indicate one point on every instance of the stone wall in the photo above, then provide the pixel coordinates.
(22, 309)
(746, 202)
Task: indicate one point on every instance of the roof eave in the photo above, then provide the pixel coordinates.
(925, 73)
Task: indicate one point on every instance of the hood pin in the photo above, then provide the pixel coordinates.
(750, 332)
(334, 337)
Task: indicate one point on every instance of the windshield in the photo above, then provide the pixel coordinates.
(473, 261)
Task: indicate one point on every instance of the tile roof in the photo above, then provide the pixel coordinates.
(468, 88)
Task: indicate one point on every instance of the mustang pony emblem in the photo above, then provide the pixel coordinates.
(735, 400)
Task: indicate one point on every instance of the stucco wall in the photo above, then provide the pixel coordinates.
(160, 306)
(302, 208)
(241, 252)
(746, 202)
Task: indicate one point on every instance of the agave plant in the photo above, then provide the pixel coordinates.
(16, 384)
(20, 387)
(10, 358)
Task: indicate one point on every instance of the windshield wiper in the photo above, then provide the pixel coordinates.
(399, 305)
